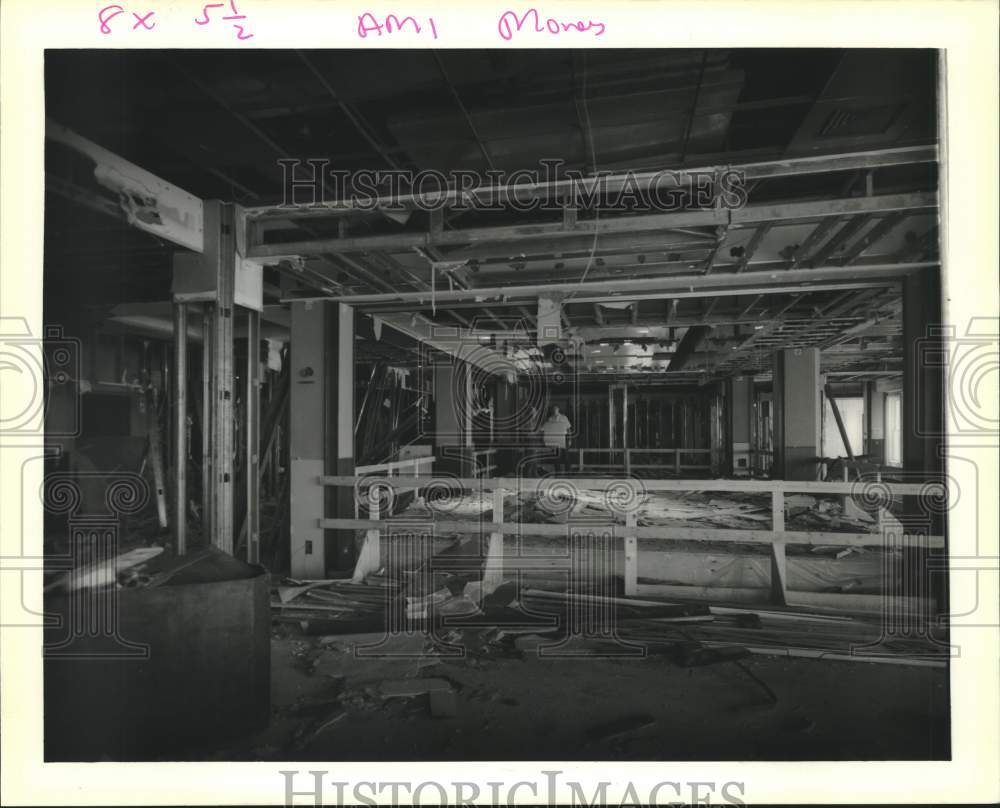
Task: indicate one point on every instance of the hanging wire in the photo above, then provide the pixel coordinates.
(593, 164)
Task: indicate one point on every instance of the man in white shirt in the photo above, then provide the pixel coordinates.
(554, 436)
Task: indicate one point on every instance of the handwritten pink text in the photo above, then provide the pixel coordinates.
(234, 14)
(510, 24)
(108, 13)
(368, 23)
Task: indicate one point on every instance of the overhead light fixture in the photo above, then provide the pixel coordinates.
(603, 344)
(643, 330)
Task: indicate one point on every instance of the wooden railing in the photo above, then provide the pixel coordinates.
(629, 493)
(675, 455)
(485, 461)
(393, 471)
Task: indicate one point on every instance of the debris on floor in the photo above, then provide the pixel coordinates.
(561, 505)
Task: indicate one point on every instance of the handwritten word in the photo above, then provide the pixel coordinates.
(240, 30)
(510, 24)
(368, 24)
(108, 13)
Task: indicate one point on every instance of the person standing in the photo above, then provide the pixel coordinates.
(554, 432)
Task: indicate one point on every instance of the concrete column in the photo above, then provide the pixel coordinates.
(740, 394)
(451, 419)
(923, 436)
(797, 413)
(923, 373)
(504, 424)
(321, 435)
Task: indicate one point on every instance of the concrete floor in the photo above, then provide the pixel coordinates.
(554, 709)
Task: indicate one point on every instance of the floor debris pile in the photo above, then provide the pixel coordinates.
(732, 510)
(444, 662)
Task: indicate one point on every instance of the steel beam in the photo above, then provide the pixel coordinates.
(207, 473)
(752, 215)
(611, 183)
(148, 202)
(251, 395)
(220, 248)
(672, 286)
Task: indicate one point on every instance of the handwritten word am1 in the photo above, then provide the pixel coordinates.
(512, 23)
(368, 23)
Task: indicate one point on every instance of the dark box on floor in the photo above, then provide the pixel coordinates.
(189, 665)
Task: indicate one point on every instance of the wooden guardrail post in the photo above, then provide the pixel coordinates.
(493, 569)
(370, 556)
(778, 562)
(631, 556)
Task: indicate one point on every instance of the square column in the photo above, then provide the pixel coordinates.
(740, 394)
(797, 413)
(923, 374)
(321, 436)
(453, 417)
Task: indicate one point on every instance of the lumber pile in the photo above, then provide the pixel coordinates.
(517, 622)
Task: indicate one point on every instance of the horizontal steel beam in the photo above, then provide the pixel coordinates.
(748, 216)
(676, 286)
(611, 183)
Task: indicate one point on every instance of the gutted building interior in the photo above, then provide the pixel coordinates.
(496, 404)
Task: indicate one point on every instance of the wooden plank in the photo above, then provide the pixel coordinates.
(396, 465)
(612, 530)
(413, 687)
(815, 653)
(840, 601)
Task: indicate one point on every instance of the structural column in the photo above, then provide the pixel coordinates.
(740, 394)
(180, 427)
(251, 414)
(452, 416)
(321, 436)
(219, 283)
(220, 261)
(875, 410)
(923, 373)
(923, 433)
(797, 413)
